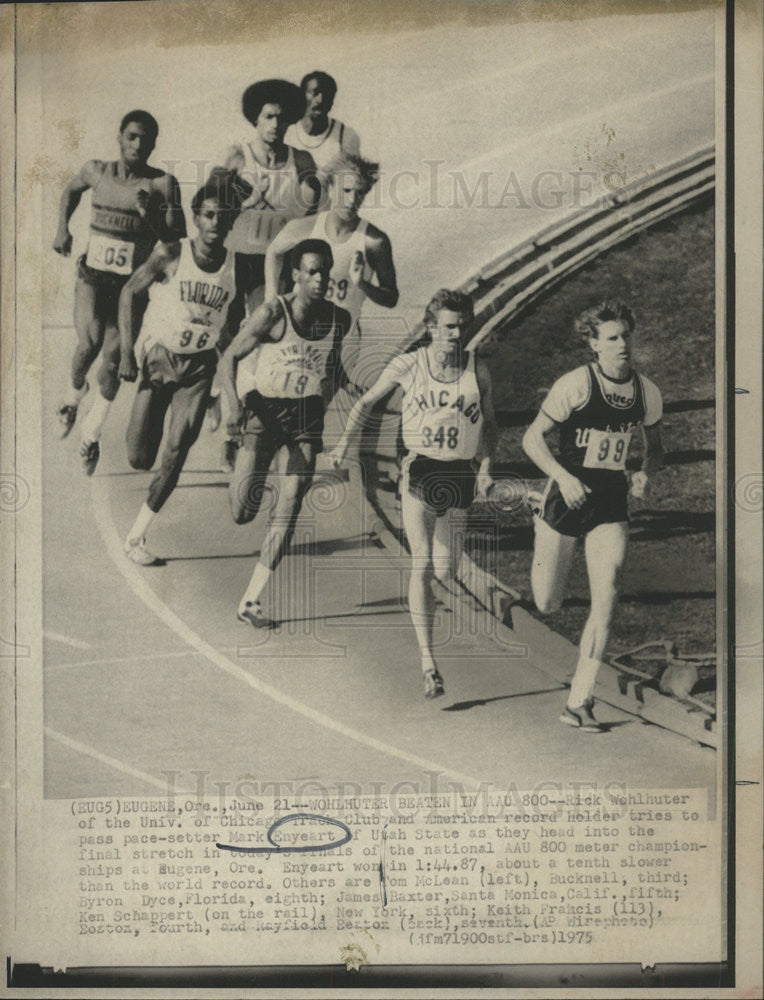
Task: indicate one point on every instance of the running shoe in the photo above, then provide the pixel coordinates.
(252, 614)
(582, 718)
(433, 684)
(90, 452)
(136, 552)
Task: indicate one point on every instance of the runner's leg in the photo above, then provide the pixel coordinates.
(552, 559)
(605, 556)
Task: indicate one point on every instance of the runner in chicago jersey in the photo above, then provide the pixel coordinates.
(449, 434)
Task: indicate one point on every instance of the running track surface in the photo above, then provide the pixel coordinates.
(147, 671)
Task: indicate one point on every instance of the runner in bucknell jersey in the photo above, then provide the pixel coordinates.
(191, 287)
(133, 205)
(279, 409)
(450, 435)
(597, 409)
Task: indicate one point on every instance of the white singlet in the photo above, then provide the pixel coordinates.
(186, 312)
(341, 290)
(294, 367)
(275, 201)
(326, 147)
(442, 420)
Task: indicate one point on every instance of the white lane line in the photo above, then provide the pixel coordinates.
(130, 659)
(104, 758)
(136, 582)
(67, 640)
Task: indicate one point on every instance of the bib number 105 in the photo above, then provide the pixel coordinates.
(442, 438)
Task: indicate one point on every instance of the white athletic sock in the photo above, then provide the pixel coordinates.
(74, 396)
(582, 684)
(92, 425)
(260, 577)
(142, 522)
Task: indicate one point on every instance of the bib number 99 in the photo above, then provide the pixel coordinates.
(607, 450)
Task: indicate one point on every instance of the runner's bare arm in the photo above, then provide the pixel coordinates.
(257, 326)
(173, 221)
(160, 261)
(88, 177)
(234, 158)
(489, 434)
(360, 413)
(651, 462)
(310, 186)
(289, 237)
(535, 447)
(379, 254)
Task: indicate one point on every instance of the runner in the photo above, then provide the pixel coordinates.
(191, 284)
(360, 250)
(281, 412)
(448, 430)
(363, 258)
(323, 137)
(596, 408)
(133, 205)
(283, 179)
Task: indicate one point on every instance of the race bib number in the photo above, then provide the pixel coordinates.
(444, 438)
(108, 254)
(193, 338)
(607, 450)
(337, 290)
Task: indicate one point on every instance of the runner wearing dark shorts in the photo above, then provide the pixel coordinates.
(279, 408)
(133, 205)
(596, 408)
(449, 432)
(192, 288)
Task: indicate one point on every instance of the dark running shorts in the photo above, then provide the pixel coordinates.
(606, 504)
(163, 367)
(282, 421)
(100, 279)
(441, 486)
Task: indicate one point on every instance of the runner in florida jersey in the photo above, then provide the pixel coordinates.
(325, 138)
(363, 258)
(298, 338)
(597, 409)
(191, 287)
(132, 206)
(449, 432)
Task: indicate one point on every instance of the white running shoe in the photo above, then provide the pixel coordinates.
(136, 551)
(252, 614)
(582, 718)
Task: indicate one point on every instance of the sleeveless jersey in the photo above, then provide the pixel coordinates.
(294, 367)
(441, 420)
(274, 202)
(120, 237)
(328, 146)
(596, 435)
(186, 313)
(341, 288)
